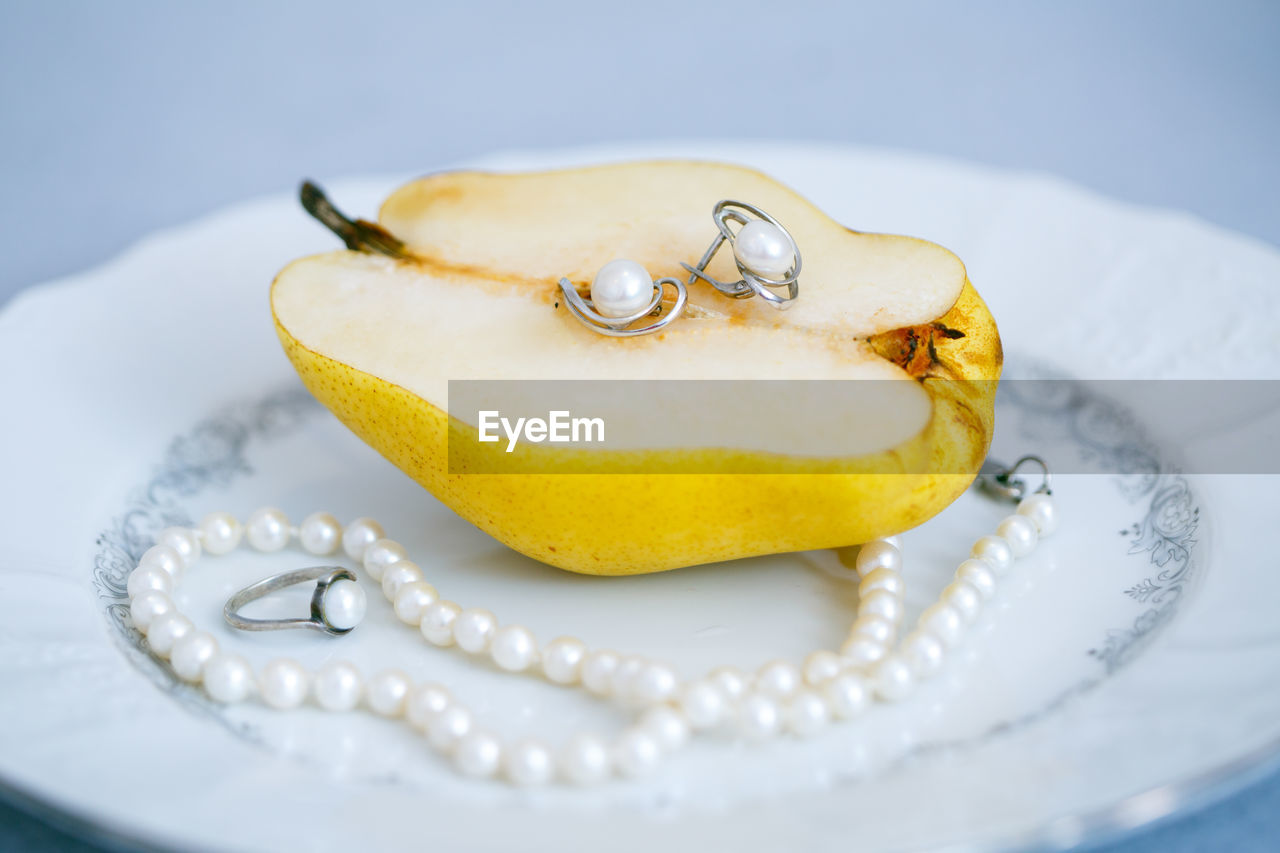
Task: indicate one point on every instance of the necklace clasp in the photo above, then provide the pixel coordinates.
(999, 481)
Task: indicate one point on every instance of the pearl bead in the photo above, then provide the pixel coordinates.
(412, 601)
(778, 678)
(807, 713)
(585, 760)
(877, 629)
(473, 629)
(702, 703)
(382, 555)
(562, 659)
(822, 666)
(1042, 510)
(402, 573)
(164, 558)
(320, 534)
(877, 554)
(763, 248)
(183, 540)
(730, 681)
(149, 579)
(621, 288)
(759, 716)
(166, 630)
(862, 651)
(344, 604)
(886, 605)
(978, 573)
(622, 680)
(228, 678)
(437, 622)
(359, 535)
(146, 606)
(478, 755)
(944, 622)
(996, 551)
(848, 695)
(446, 728)
(283, 684)
(386, 692)
(424, 703)
(513, 648)
(656, 682)
(668, 726)
(191, 653)
(220, 532)
(886, 580)
(1020, 532)
(924, 653)
(338, 686)
(636, 753)
(965, 598)
(597, 671)
(892, 679)
(530, 763)
(267, 529)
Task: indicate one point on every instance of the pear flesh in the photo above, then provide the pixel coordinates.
(418, 328)
(541, 226)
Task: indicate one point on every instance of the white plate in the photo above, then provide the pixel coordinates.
(1125, 670)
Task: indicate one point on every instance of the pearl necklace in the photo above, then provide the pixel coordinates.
(781, 696)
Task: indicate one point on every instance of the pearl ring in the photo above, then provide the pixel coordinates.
(765, 252)
(337, 605)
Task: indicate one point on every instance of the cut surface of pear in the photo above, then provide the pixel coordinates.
(355, 309)
(541, 226)
(377, 339)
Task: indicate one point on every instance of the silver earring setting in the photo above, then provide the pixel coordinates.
(624, 293)
(765, 252)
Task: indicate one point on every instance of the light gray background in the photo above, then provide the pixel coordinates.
(120, 118)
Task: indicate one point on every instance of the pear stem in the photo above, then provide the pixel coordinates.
(359, 235)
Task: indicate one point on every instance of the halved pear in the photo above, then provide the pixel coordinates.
(460, 282)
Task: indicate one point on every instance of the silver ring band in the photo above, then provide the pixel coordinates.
(324, 576)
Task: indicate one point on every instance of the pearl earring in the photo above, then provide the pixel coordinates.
(623, 293)
(765, 252)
